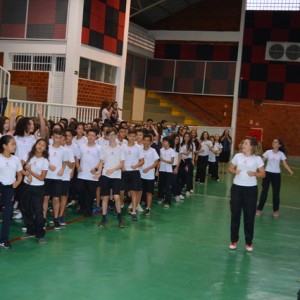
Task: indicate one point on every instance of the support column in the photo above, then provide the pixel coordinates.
(120, 76)
(238, 76)
(74, 29)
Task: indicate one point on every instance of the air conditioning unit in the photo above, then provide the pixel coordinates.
(283, 51)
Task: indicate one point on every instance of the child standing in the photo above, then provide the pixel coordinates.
(167, 155)
(35, 166)
(10, 166)
(148, 171)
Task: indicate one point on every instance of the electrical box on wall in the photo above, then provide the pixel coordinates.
(283, 51)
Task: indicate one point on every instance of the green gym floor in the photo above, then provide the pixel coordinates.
(177, 253)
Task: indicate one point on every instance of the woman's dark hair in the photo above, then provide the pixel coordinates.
(175, 147)
(202, 135)
(22, 126)
(32, 152)
(71, 131)
(4, 141)
(282, 146)
(2, 122)
(189, 143)
(223, 134)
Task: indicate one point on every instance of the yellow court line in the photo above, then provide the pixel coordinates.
(227, 198)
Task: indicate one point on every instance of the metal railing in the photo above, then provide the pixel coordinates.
(54, 111)
(4, 83)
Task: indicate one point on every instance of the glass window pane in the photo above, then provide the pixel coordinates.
(96, 71)
(84, 68)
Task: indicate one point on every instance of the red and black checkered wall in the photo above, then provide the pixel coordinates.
(103, 24)
(46, 19)
(263, 79)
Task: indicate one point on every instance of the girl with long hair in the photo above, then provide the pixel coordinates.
(35, 167)
(247, 166)
(273, 176)
(226, 141)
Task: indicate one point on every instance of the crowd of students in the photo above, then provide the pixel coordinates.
(77, 163)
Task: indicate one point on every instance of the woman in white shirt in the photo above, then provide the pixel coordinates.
(246, 166)
(35, 165)
(10, 166)
(273, 157)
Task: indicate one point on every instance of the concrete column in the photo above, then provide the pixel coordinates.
(120, 76)
(74, 28)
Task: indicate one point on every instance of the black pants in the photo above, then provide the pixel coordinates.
(164, 186)
(176, 190)
(32, 208)
(7, 200)
(86, 194)
(243, 199)
(201, 168)
(186, 170)
(213, 168)
(275, 180)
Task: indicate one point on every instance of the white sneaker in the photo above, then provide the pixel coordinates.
(177, 199)
(160, 201)
(18, 216)
(16, 211)
(187, 193)
(191, 191)
(181, 197)
(24, 229)
(139, 208)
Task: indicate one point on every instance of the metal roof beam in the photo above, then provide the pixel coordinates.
(147, 8)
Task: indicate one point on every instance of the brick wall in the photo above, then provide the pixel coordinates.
(36, 84)
(92, 93)
(275, 120)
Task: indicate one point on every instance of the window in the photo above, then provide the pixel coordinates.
(42, 63)
(21, 62)
(273, 4)
(97, 71)
(60, 64)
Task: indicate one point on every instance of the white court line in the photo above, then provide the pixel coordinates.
(227, 198)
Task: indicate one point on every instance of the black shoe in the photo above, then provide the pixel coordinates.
(121, 224)
(134, 217)
(103, 223)
(147, 212)
(6, 245)
(56, 224)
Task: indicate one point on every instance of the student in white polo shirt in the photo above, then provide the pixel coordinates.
(53, 181)
(10, 168)
(72, 154)
(35, 165)
(247, 166)
(151, 160)
(131, 176)
(273, 176)
(167, 156)
(90, 155)
(111, 166)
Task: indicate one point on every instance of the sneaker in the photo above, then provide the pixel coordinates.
(71, 203)
(177, 199)
(24, 229)
(16, 211)
(148, 212)
(187, 193)
(27, 236)
(249, 248)
(166, 205)
(51, 222)
(62, 221)
(139, 208)
(96, 209)
(276, 214)
(134, 217)
(17, 216)
(181, 197)
(6, 245)
(103, 223)
(121, 224)
(42, 240)
(159, 201)
(233, 246)
(191, 191)
(56, 224)
(258, 212)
